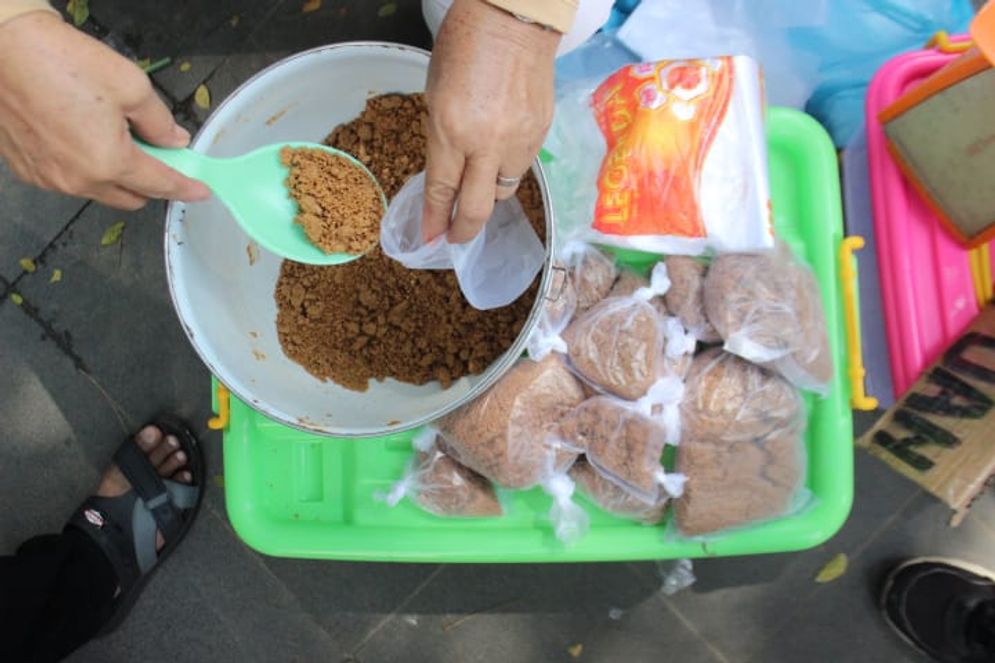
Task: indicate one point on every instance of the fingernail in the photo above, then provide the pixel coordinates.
(181, 457)
(172, 441)
(181, 135)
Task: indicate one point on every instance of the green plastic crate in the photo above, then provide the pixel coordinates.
(291, 494)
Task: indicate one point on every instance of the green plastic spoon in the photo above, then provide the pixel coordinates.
(252, 187)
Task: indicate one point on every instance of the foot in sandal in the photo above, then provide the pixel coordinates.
(144, 506)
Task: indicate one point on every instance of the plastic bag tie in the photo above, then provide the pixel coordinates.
(570, 522)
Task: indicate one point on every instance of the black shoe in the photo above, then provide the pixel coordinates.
(943, 608)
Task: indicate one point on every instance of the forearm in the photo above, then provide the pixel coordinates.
(10, 9)
(557, 14)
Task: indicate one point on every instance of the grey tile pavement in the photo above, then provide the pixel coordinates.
(607, 612)
(27, 235)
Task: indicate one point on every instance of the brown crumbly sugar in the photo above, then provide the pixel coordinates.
(375, 319)
(338, 204)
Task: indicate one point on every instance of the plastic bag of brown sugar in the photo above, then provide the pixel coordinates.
(686, 300)
(736, 482)
(592, 273)
(617, 345)
(768, 308)
(625, 442)
(493, 269)
(729, 399)
(608, 496)
(557, 312)
(440, 485)
(508, 433)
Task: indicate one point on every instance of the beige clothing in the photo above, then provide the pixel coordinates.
(557, 14)
(13, 8)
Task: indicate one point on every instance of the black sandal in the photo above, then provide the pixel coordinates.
(125, 526)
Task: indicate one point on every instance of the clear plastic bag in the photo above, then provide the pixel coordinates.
(664, 157)
(617, 346)
(768, 308)
(493, 269)
(742, 447)
(735, 482)
(592, 273)
(726, 398)
(557, 312)
(614, 499)
(686, 297)
(570, 522)
(624, 441)
(510, 433)
(679, 347)
(440, 485)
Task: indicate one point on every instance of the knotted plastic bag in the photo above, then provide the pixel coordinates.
(768, 308)
(617, 346)
(616, 500)
(742, 446)
(440, 485)
(509, 433)
(493, 269)
(624, 440)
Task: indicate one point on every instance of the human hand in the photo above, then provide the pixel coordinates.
(68, 105)
(490, 100)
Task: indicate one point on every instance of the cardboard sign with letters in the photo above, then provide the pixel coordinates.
(941, 434)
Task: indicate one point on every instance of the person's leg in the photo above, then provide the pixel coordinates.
(944, 608)
(55, 594)
(58, 591)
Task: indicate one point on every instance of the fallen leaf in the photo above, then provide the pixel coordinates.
(233, 21)
(28, 265)
(833, 569)
(113, 234)
(150, 67)
(310, 6)
(79, 10)
(16, 298)
(56, 276)
(388, 9)
(185, 67)
(575, 650)
(202, 97)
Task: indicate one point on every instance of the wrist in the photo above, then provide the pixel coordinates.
(555, 15)
(515, 29)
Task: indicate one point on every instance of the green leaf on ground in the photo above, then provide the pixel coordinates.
(202, 97)
(150, 67)
(185, 67)
(833, 569)
(575, 650)
(113, 234)
(56, 276)
(388, 9)
(28, 265)
(79, 11)
(16, 298)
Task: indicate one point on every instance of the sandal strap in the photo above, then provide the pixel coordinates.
(150, 488)
(143, 523)
(105, 520)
